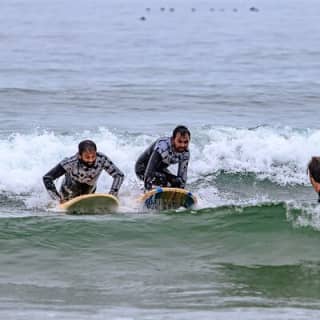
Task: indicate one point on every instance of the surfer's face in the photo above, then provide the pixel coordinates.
(315, 184)
(88, 158)
(181, 143)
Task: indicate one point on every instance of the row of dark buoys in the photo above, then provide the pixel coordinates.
(162, 9)
(252, 9)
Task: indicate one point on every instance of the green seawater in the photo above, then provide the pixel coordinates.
(151, 264)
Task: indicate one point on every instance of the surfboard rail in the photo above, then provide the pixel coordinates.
(95, 203)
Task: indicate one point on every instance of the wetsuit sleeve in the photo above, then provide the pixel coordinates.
(49, 178)
(116, 174)
(183, 172)
(153, 165)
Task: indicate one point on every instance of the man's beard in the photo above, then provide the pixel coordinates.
(88, 164)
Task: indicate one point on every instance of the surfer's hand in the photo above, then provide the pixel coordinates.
(147, 186)
(113, 193)
(62, 201)
(176, 182)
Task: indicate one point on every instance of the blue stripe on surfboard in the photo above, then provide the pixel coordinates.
(153, 201)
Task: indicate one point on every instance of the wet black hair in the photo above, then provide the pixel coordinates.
(314, 168)
(87, 145)
(182, 130)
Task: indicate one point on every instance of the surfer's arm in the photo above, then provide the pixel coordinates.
(48, 180)
(117, 176)
(153, 165)
(182, 173)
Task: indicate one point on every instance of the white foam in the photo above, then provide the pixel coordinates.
(278, 154)
(308, 215)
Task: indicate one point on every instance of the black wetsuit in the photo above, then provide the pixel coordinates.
(79, 178)
(151, 166)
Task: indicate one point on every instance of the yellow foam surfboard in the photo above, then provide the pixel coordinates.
(97, 203)
(167, 199)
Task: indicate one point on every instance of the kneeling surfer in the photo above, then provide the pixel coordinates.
(81, 172)
(151, 166)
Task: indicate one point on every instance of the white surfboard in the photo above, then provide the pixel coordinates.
(97, 203)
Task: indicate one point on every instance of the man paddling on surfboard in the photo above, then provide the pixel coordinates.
(151, 166)
(314, 174)
(81, 173)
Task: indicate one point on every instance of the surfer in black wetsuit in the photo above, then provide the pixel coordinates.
(81, 173)
(151, 166)
(314, 174)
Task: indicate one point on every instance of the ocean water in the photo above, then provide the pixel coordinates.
(123, 73)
